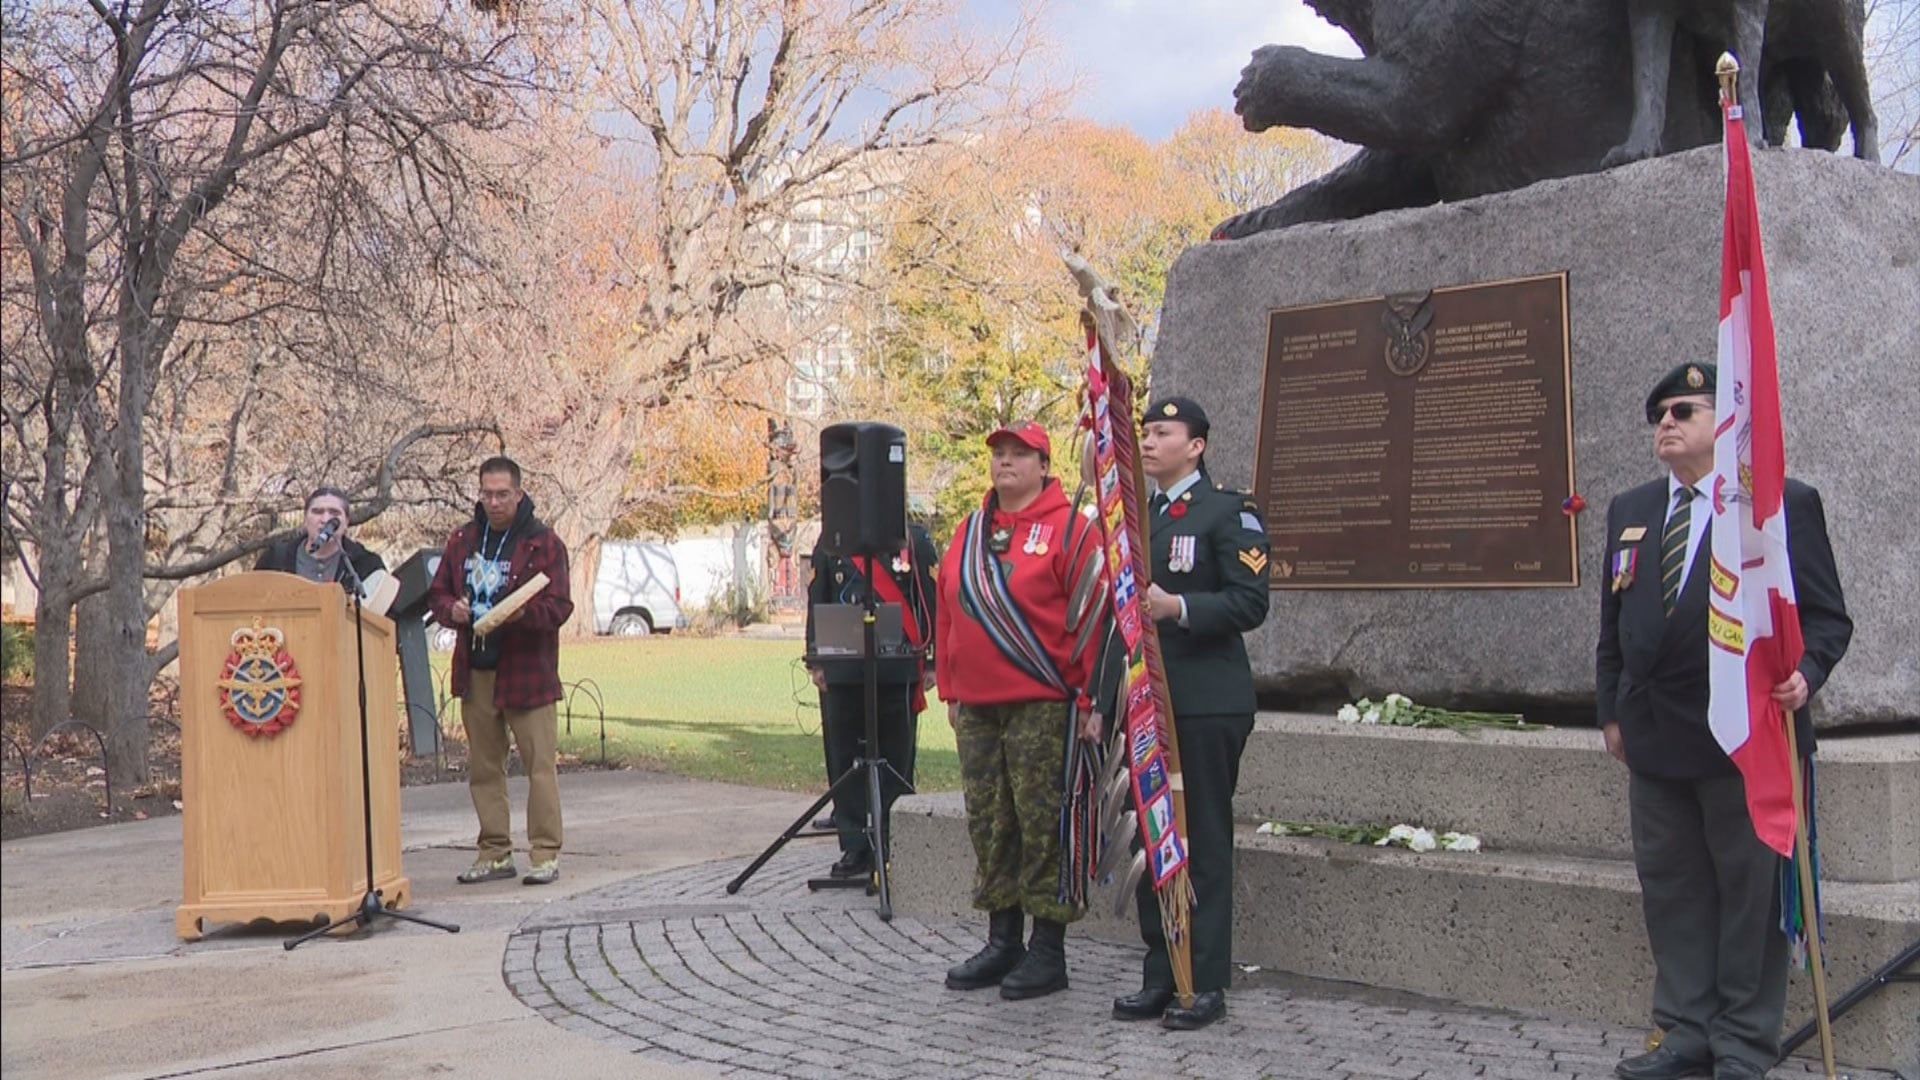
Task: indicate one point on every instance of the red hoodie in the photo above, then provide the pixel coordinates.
(972, 668)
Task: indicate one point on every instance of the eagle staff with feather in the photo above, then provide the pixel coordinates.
(1188, 577)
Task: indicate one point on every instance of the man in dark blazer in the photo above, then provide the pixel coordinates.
(906, 577)
(339, 558)
(1209, 587)
(1709, 887)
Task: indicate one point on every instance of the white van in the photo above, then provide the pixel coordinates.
(637, 591)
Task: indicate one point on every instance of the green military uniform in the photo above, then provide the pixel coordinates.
(1210, 549)
(1024, 739)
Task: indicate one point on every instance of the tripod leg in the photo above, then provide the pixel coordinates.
(876, 805)
(792, 831)
(359, 917)
(877, 834)
(906, 785)
(407, 916)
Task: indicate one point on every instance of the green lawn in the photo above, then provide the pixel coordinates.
(717, 709)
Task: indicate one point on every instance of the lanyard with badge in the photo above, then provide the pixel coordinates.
(486, 574)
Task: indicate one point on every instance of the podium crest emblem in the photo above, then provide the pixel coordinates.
(260, 686)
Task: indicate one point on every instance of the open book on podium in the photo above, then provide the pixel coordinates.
(270, 753)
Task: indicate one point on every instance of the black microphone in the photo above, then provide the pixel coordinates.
(326, 533)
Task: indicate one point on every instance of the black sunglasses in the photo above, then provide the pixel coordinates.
(1682, 411)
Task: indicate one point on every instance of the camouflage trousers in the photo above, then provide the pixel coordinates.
(1011, 758)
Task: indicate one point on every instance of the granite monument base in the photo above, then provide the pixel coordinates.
(1642, 247)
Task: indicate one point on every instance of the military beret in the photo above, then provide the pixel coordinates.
(1183, 409)
(1680, 382)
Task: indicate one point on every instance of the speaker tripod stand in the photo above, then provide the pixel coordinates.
(866, 769)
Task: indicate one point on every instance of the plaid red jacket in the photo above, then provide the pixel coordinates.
(529, 672)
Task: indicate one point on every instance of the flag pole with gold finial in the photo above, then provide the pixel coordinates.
(1728, 72)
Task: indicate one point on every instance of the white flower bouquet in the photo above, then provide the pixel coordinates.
(1398, 710)
(1411, 837)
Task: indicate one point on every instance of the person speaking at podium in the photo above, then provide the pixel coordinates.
(324, 550)
(506, 668)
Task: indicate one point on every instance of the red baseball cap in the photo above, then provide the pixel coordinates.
(1026, 433)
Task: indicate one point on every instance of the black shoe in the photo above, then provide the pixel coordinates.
(1737, 1069)
(1661, 1064)
(1207, 1007)
(1044, 971)
(1002, 954)
(853, 864)
(824, 823)
(1149, 1003)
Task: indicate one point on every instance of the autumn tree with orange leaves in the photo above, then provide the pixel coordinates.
(983, 320)
(718, 128)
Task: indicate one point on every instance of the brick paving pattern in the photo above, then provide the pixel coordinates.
(781, 982)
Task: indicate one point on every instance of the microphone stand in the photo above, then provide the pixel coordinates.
(371, 904)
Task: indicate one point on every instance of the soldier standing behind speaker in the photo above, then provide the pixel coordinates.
(904, 578)
(1010, 675)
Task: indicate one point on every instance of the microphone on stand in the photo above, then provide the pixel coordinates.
(326, 533)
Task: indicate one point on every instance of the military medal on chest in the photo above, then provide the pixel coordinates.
(1625, 562)
(1626, 558)
(1038, 539)
(1180, 558)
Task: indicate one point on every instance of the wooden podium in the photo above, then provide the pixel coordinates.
(272, 815)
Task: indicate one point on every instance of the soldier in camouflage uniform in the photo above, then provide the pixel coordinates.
(1011, 757)
(1008, 670)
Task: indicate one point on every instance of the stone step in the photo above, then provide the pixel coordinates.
(1534, 932)
(1552, 792)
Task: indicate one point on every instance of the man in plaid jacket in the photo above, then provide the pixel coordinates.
(509, 680)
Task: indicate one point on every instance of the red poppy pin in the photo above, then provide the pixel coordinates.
(1573, 504)
(1177, 511)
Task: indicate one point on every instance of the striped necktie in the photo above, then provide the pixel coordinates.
(1673, 546)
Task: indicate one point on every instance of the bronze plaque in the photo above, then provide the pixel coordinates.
(1421, 440)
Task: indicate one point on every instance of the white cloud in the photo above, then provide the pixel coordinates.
(1148, 64)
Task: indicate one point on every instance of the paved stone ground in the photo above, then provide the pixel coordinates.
(781, 982)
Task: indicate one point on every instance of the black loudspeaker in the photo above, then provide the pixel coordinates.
(416, 576)
(863, 489)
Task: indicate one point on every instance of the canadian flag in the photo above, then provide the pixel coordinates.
(1753, 624)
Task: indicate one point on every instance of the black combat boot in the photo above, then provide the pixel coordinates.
(1045, 968)
(991, 964)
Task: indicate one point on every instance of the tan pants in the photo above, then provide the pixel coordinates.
(535, 735)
